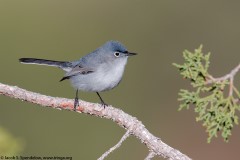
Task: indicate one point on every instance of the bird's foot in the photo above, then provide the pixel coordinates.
(76, 103)
(104, 104)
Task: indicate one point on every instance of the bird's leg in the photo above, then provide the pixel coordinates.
(76, 102)
(103, 103)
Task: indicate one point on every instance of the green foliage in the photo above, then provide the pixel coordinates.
(9, 146)
(216, 110)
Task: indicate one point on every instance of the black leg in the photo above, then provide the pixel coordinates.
(103, 103)
(76, 102)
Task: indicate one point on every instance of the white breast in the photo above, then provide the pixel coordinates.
(109, 77)
(106, 77)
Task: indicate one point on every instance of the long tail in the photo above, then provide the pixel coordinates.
(61, 64)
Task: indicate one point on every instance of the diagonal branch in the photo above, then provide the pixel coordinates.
(227, 76)
(230, 76)
(150, 156)
(130, 123)
(125, 136)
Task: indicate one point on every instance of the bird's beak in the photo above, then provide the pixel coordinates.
(131, 54)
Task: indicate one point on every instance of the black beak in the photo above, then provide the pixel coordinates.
(130, 54)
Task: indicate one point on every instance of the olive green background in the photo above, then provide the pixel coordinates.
(158, 30)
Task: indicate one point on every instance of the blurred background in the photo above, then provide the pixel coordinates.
(158, 30)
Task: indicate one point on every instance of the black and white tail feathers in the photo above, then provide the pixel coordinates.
(61, 64)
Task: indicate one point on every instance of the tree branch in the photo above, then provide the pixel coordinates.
(130, 123)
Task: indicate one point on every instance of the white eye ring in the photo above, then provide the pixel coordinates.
(116, 54)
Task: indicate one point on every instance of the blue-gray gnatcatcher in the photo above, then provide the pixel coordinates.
(98, 71)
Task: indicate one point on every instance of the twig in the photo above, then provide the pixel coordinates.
(125, 136)
(130, 123)
(150, 156)
(229, 76)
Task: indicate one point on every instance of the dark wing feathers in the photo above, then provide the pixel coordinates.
(76, 71)
(64, 78)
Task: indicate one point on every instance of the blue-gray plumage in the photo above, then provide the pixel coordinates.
(98, 71)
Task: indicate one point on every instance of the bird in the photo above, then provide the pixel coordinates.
(98, 71)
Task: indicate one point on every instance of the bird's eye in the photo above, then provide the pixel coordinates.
(116, 54)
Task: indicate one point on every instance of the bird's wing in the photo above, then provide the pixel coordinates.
(76, 71)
